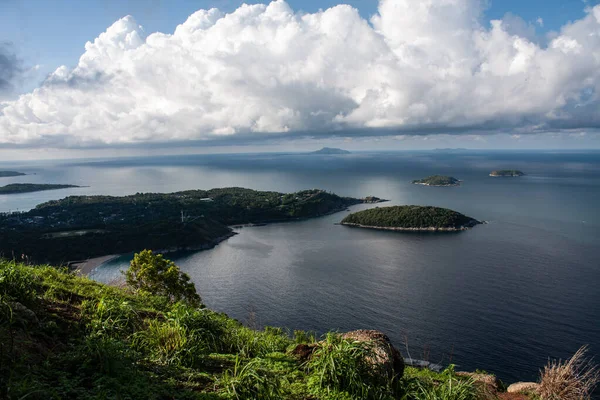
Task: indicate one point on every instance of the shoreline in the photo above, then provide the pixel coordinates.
(86, 267)
(400, 229)
(429, 184)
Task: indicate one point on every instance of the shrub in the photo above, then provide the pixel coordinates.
(250, 343)
(166, 341)
(110, 316)
(154, 274)
(250, 381)
(448, 389)
(342, 366)
(17, 282)
(574, 379)
(205, 329)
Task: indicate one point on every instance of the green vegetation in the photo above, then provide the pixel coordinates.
(67, 337)
(507, 172)
(152, 273)
(14, 188)
(5, 174)
(437, 180)
(193, 219)
(410, 218)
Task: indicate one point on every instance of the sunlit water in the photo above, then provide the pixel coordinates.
(502, 297)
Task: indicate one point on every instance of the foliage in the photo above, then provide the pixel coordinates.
(574, 379)
(16, 282)
(427, 385)
(93, 341)
(250, 381)
(342, 366)
(152, 273)
(80, 227)
(409, 217)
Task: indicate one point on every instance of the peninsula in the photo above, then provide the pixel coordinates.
(82, 227)
(331, 151)
(410, 218)
(6, 174)
(15, 188)
(507, 172)
(437, 180)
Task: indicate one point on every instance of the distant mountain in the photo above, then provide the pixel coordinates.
(452, 150)
(331, 150)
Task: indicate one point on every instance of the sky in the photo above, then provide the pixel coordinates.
(130, 76)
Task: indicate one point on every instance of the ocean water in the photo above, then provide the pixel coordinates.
(502, 297)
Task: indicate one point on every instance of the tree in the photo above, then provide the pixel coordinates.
(154, 274)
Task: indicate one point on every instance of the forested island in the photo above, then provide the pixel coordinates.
(507, 172)
(410, 218)
(331, 150)
(6, 174)
(80, 227)
(438, 180)
(15, 188)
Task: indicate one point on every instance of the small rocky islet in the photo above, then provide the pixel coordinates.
(507, 172)
(437, 180)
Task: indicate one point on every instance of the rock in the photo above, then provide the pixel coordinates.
(304, 351)
(23, 314)
(385, 355)
(511, 396)
(520, 387)
(490, 382)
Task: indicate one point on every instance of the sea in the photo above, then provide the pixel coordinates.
(504, 297)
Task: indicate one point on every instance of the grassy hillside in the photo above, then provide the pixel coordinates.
(67, 337)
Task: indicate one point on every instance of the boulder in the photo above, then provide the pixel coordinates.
(490, 383)
(385, 354)
(23, 314)
(304, 351)
(521, 387)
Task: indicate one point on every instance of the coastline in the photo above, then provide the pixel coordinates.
(86, 267)
(428, 184)
(400, 229)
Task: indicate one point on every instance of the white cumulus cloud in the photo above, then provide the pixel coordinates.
(418, 66)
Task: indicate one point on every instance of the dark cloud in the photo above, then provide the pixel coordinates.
(76, 81)
(11, 67)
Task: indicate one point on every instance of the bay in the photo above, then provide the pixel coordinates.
(503, 296)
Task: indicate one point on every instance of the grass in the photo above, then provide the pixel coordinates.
(573, 379)
(66, 337)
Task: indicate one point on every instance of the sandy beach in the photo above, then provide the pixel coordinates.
(87, 266)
